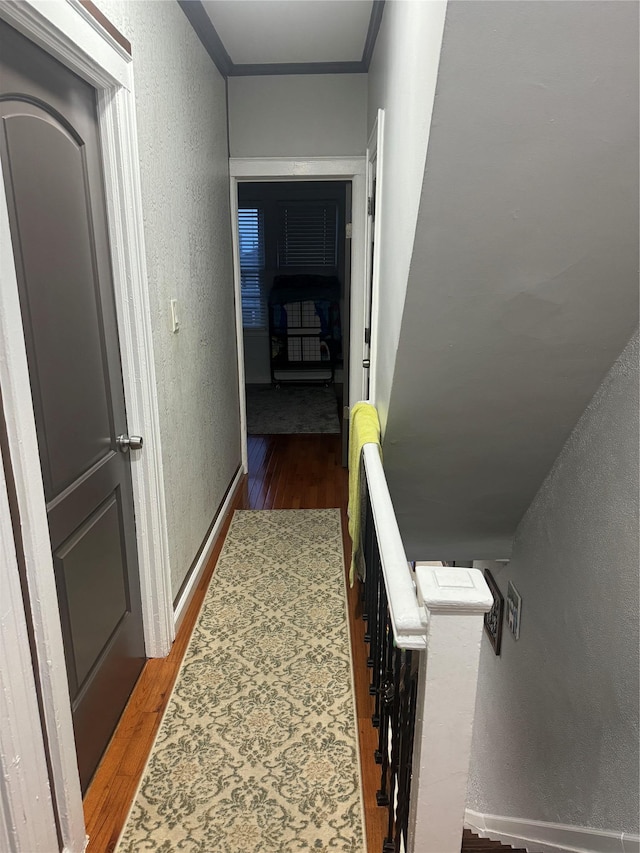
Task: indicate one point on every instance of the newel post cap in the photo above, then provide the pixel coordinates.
(452, 590)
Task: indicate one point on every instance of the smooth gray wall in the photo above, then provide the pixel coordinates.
(523, 285)
(402, 81)
(182, 134)
(299, 115)
(556, 727)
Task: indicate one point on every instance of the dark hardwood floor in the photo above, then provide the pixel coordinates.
(285, 472)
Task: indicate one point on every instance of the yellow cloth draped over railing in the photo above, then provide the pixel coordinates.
(364, 428)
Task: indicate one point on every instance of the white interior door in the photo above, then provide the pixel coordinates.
(372, 280)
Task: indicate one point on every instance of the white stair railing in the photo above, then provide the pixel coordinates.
(424, 631)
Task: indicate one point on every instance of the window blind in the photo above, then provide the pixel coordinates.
(308, 234)
(251, 234)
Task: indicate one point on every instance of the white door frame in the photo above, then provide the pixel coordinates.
(243, 169)
(375, 153)
(68, 32)
(28, 818)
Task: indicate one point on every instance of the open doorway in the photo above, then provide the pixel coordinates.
(294, 253)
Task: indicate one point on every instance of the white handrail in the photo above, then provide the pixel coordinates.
(408, 618)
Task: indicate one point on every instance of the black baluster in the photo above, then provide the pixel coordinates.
(373, 624)
(391, 844)
(381, 640)
(377, 624)
(386, 701)
(407, 730)
(368, 540)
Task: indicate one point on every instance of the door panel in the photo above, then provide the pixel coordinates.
(96, 601)
(62, 294)
(51, 161)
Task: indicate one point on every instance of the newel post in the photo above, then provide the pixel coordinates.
(456, 600)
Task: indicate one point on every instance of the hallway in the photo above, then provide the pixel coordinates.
(285, 472)
(480, 277)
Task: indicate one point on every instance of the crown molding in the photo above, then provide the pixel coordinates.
(372, 33)
(208, 35)
(279, 68)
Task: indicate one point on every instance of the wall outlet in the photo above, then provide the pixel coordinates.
(175, 322)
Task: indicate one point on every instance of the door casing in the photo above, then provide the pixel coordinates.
(71, 34)
(352, 169)
(375, 153)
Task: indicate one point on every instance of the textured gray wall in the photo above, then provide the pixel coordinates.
(523, 286)
(556, 728)
(182, 134)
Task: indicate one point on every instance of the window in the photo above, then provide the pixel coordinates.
(251, 233)
(308, 234)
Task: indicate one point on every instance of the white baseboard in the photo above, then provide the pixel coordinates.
(67, 849)
(184, 601)
(541, 837)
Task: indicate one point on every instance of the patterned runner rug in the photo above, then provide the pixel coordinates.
(257, 751)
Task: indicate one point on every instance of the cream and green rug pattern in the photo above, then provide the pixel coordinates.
(257, 751)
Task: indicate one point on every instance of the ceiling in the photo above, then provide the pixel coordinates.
(287, 36)
(268, 31)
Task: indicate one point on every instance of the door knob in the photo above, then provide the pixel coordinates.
(125, 443)
(366, 363)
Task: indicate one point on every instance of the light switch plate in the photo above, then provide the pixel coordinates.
(175, 322)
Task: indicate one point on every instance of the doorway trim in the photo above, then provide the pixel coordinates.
(375, 154)
(68, 32)
(243, 169)
(24, 780)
